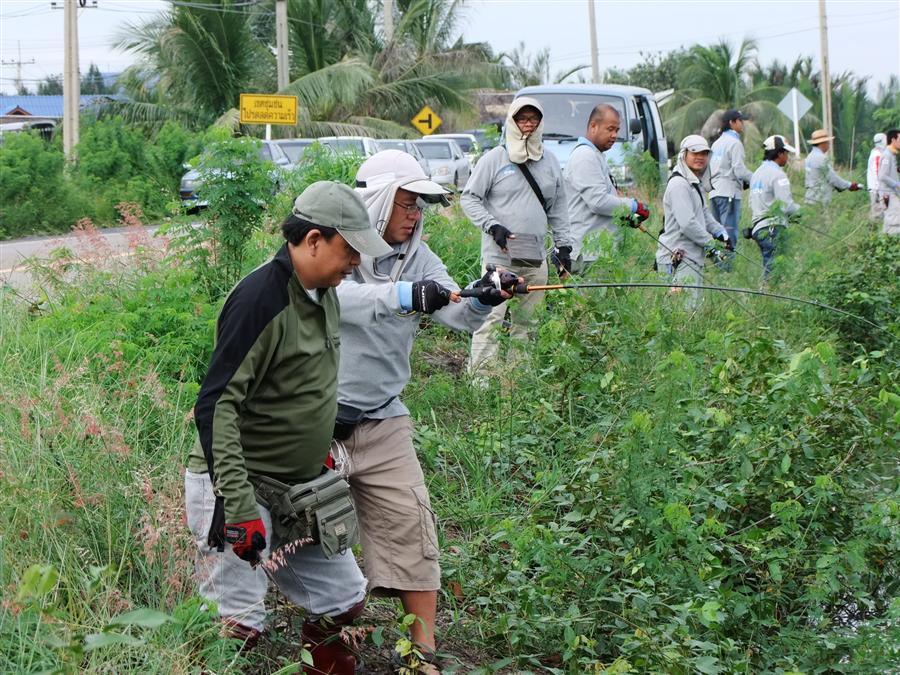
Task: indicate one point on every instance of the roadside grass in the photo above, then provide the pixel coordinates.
(642, 488)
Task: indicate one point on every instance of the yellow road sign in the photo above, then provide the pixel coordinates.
(268, 109)
(426, 121)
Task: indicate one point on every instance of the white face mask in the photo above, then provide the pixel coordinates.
(521, 148)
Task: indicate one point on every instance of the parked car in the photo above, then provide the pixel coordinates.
(294, 147)
(268, 152)
(469, 144)
(485, 142)
(568, 106)
(449, 166)
(405, 146)
(361, 145)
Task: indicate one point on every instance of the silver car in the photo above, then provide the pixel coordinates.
(268, 152)
(360, 145)
(406, 146)
(449, 166)
(467, 142)
(294, 147)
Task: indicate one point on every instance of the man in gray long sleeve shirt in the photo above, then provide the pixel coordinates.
(592, 195)
(500, 202)
(382, 303)
(888, 183)
(729, 173)
(771, 201)
(821, 178)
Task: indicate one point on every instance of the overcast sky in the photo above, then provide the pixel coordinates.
(864, 35)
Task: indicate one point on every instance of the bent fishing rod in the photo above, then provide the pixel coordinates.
(509, 282)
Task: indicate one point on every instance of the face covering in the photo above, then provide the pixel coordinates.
(522, 148)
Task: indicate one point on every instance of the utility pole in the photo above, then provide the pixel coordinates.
(18, 64)
(281, 43)
(826, 78)
(595, 64)
(71, 80)
(388, 21)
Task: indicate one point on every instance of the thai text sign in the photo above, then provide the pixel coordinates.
(268, 109)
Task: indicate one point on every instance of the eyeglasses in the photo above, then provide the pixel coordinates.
(527, 119)
(410, 208)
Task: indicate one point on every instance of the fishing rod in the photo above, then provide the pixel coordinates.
(508, 281)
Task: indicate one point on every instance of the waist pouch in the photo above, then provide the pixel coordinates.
(320, 509)
(348, 417)
(526, 250)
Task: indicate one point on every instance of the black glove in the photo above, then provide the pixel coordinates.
(488, 293)
(746, 185)
(725, 239)
(713, 253)
(500, 235)
(429, 296)
(562, 258)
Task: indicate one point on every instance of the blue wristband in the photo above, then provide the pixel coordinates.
(479, 306)
(404, 295)
(634, 203)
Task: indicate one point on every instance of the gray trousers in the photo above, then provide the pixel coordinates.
(321, 586)
(484, 340)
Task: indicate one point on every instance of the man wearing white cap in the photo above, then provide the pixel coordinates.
(516, 193)
(876, 205)
(820, 176)
(382, 304)
(771, 201)
(689, 229)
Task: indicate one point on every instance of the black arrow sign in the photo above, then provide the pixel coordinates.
(425, 120)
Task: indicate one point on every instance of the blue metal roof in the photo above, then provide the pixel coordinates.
(48, 106)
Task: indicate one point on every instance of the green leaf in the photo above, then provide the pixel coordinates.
(709, 665)
(292, 668)
(378, 636)
(145, 618)
(785, 463)
(99, 640)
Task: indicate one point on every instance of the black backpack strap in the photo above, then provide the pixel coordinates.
(534, 186)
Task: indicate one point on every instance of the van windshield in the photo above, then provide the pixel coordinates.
(435, 150)
(568, 114)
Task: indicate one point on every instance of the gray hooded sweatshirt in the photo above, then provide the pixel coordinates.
(887, 174)
(821, 178)
(688, 224)
(498, 193)
(592, 195)
(729, 173)
(376, 333)
(770, 194)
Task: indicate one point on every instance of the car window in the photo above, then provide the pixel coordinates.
(346, 145)
(295, 150)
(264, 153)
(391, 145)
(568, 113)
(464, 143)
(435, 150)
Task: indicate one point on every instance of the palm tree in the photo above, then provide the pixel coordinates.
(715, 79)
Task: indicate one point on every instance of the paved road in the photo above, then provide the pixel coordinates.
(13, 254)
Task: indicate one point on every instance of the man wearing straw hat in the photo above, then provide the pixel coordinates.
(820, 176)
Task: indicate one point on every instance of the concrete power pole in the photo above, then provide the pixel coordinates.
(71, 80)
(595, 64)
(18, 64)
(281, 43)
(388, 21)
(826, 78)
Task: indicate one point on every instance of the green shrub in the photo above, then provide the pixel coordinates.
(35, 197)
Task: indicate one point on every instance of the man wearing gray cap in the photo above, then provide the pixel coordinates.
(264, 417)
(821, 178)
(771, 201)
(730, 176)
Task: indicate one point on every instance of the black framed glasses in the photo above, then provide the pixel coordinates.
(410, 208)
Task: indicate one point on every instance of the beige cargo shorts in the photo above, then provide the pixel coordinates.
(398, 529)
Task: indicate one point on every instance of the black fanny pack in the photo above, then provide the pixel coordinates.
(348, 417)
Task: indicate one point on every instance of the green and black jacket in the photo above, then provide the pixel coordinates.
(268, 401)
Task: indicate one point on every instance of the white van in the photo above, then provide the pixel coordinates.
(567, 108)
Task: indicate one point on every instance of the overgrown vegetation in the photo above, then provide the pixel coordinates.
(642, 490)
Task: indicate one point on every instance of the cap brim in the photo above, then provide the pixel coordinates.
(698, 148)
(424, 187)
(368, 242)
(790, 148)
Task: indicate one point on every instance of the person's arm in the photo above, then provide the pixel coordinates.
(836, 181)
(558, 210)
(682, 201)
(477, 188)
(248, 331)
(885, 177)
(466, 315)
(782, 193)
(584, 175)
(363, 304)
(740, 170)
